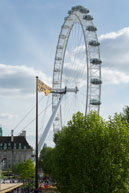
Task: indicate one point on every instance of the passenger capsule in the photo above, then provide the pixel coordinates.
(76, 8)
(96, 81)
(57, 119)
(62, 36)
(84, 10)
(56, 129)
(58, 58)
(95, 61)
(57, 70)
(88, 17)
(54, 106)
(95, 102)
(94, 43)
(60, 47)
(69, 12)
(65, 18)
(65, 26)
(56, 82)
(68, 18)
(91, 28)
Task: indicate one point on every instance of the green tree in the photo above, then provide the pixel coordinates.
(46, 160)
(8, 171)
(1, 175)
(91, 155)
(125, 114)
(25, 170)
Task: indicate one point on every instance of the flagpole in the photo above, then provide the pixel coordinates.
(36, 160)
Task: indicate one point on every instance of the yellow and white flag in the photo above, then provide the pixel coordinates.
(42, 87)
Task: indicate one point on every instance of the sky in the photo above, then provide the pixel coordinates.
(29, 31)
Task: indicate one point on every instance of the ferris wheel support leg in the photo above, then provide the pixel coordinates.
(48, 126)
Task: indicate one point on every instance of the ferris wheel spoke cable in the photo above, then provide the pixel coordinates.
(67, 111)
(70, 111)
(82, 93)
(78, 69)
(69, 48)
(81, 58)
(64, 106)
(72, 38)
(74, 78)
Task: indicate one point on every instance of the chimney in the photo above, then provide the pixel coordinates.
(24, 134)
(12, 137)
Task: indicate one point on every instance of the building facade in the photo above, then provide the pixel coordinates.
(14, 149)
(0, 130)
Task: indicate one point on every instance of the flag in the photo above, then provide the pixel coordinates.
(42, 87)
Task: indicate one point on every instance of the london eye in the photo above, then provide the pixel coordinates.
(77, 65)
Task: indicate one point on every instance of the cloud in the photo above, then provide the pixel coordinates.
(19, 80)
(115, 50)
(114, 35)
(8, 116)
(115, 56)
(110, 76)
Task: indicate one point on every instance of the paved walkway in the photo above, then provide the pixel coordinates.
(8, 187)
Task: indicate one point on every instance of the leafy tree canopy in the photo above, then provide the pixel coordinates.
(1, 175)
(125, 114)
(25, 170)
(91, 155)
(44, 159)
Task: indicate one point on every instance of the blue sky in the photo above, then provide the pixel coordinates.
(29, 31)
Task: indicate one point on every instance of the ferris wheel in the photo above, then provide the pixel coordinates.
(77, 67)
(77, 71)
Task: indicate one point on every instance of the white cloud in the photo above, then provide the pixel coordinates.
(115, 50)
(110, 76)
(114, 35)
(115, 56)
(8, 116)
(19, 80)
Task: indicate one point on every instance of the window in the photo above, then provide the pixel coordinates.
(0, 146)
(19, 145)
(24, 147)
(15, 147)
(9, 145)
(5, 146)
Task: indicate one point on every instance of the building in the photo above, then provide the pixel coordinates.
(14, 149)
(0, 130)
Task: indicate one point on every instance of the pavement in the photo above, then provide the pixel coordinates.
(8, 187)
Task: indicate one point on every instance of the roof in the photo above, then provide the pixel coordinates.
(19, 142)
